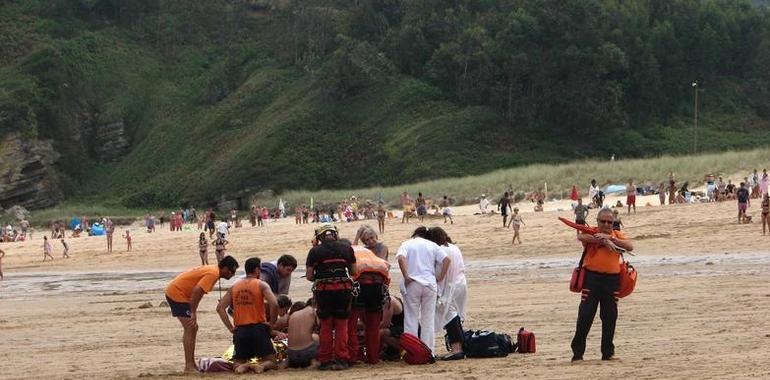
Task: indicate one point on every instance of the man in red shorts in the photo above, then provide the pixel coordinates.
(631, 196)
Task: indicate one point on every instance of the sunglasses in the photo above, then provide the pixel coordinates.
(605, 221)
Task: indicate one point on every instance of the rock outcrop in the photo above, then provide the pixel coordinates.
(27, 176)
(111, 141)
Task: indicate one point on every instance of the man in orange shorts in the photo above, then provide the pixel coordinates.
(184, 293)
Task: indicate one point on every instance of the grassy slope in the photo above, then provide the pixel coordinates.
(274, 129)
(560, 178)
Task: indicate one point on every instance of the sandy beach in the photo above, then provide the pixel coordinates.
(700, 309)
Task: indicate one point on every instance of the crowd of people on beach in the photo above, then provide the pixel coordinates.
(350, 317)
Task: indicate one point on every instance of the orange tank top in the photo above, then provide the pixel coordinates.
(248, 302)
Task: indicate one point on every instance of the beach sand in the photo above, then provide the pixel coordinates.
(700, 309)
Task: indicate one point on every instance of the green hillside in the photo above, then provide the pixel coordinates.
(228, 98)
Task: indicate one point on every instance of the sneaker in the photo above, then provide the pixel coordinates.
(455, 356)
(327, 366)
(609, 357)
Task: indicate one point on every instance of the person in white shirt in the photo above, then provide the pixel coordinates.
(483, 204)
(222, 229)
(418, 258)
(592, 191)
(452, 295)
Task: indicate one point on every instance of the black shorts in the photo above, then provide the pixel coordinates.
(580, 221)
(333, 301)
(370, 297)
(179, 309)
(252, 341)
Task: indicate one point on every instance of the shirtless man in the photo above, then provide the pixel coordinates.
(303, 339)
(392, 326)
(251, 325)
(631, 196)
(406, 206)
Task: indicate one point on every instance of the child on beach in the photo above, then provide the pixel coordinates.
(617, 223)
(203, 246)
(47, 249)
(2, 254)
(65, 253)
(516, 222)
(220, 244)
(127, 236)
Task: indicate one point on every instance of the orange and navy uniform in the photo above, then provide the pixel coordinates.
(601, 259)
(248, 302)
(180, 289)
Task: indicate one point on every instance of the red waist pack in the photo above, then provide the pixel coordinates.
(525, 341)
(628, 275)
(576, 282)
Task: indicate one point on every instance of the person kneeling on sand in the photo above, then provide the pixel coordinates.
(184, 294)
(391, 328)
(250, 327)
(303, 339)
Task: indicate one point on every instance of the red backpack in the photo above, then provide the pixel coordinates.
(415, 351)
(526, 342)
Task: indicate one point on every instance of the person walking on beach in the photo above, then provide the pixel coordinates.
(765, 212)
(503, 206)
(631, 196)
(203, 249)
(184, 294)
(250, 326)
(600, 285)
(47, 249)
(743, 202)
(406, 206)
(109, 229)
(446, 210)
(2, 254)
(127, 236)
(662, 193)
(220, 244)
(65, 252)
(516, 221)
(381, 217)
(581, 212)
(422, 208)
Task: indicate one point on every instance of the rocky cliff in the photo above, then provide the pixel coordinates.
(27, 176)
(111, 141)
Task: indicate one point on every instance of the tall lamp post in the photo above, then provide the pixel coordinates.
(695, 118)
